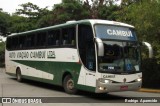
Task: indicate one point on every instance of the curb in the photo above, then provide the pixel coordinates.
(149, 90)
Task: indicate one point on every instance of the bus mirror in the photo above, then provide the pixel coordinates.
(100, 46)
(149, 48)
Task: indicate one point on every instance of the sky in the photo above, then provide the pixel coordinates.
(10, 6)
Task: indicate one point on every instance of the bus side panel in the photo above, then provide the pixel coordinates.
(10, 66)
(81, 82)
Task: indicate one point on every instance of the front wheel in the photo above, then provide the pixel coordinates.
(68, 85)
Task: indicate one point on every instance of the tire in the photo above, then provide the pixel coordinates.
(18, 75)
(68, 85)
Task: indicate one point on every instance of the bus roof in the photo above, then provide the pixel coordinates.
(91, 21)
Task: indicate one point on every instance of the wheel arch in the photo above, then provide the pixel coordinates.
(18, 68)
(65, 74)
(66, 79)
(18, 74)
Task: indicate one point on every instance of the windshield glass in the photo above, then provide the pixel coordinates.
(120, 57)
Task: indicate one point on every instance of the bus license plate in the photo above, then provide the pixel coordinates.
(123, 87)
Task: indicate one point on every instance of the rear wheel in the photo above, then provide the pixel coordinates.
(69, 85)
(19, 75)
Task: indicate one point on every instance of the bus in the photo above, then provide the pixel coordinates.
(93, 55)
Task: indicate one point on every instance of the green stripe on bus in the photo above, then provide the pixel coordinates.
(49, 66)
(55, 68)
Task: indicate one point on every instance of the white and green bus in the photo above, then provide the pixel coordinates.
(92, 55)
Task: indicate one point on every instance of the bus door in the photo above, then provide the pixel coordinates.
(90, 65)
(87, 54)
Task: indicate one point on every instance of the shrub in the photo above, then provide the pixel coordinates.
(151, 73)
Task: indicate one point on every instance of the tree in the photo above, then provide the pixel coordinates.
(78, 10)
(4, 23)
(2, 53)
(68, 10)
(45, 21)
(145, 16)
(32, 11)
(29, 18)
(20, 24)
(102, 9)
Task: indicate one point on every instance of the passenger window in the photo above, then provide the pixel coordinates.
(53, 38)
(41, 39)
(68, 36)
(30, 40)
(15, 42)
(22, 41)
(9, 43)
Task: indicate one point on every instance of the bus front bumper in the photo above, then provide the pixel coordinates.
(118, 86)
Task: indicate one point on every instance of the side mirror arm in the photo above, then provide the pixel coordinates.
(100, 46)
(149, 48)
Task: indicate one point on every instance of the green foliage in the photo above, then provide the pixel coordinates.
(151, 73)
(2, 53)
(30, 16)
(101, 9)
(145, 16)
(69, 10)
(31, 10)
(20, 24)
(108, 12)
(4, 23)
(46, 20)
(2, 46)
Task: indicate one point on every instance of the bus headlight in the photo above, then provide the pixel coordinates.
(104, 81)
(102, 88)
(139, 79)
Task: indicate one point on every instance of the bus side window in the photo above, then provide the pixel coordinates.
(68, 36)
(41, 39)
(9, 43)
(53, 38)
(15, 42)
(22, 41)
(30, 41)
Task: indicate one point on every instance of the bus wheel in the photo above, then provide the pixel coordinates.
(68, 85)
(19, 75)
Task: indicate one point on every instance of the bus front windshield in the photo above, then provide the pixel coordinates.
(122, 57)
(121, 50)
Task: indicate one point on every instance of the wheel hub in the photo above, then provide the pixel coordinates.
(70, 84)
